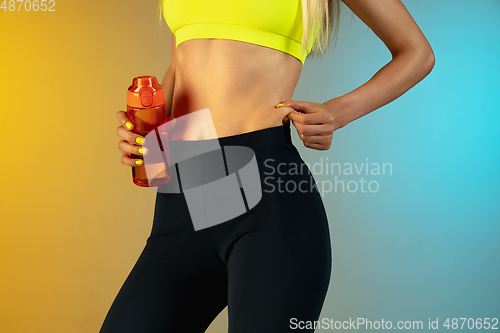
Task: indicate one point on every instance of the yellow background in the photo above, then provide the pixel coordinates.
(73, 223)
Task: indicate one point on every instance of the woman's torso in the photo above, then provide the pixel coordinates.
(240, 83)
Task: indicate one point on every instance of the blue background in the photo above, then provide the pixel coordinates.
(425, 245)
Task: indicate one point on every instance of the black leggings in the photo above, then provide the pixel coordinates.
(271, 265)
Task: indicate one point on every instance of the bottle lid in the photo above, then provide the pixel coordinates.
(145, 92)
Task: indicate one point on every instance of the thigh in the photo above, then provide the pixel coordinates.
(176, 285)
(155, 298)
(279, 271)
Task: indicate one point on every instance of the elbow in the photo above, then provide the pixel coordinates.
(419, 57)
(429, 61)
(426, 59)
(424, 62)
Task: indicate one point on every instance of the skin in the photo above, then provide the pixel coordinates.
(242, 83)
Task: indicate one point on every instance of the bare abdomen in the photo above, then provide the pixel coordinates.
(240, 83)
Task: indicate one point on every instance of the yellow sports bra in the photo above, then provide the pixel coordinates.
(276, 24)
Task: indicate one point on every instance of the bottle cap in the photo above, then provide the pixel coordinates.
(145, 92)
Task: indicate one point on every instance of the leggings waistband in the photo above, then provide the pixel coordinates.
(259, 139)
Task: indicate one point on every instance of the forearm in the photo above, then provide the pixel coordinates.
(168, 88)
(406, 69)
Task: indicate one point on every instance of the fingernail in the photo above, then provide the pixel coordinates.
(139, 140)
(138, 162)
(142, 150)
(128, 125)
(278, 105)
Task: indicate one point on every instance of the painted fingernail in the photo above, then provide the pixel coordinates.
(278, 105)
(138, 162)
(142, 150)
(139, 140)
(128, 125)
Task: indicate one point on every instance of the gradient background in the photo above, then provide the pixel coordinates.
(73, 223)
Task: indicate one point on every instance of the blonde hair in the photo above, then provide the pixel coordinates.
(319, 17)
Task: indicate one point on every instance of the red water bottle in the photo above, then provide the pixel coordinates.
(147, 110)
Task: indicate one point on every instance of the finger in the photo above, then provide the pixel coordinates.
(321, 129)
(315, 137)
(287, 106)
(319, 139)
(126, 147)
(296, 105)
(124, 120)
(307, 118)
(316, 118)
(316, 146)
(296, 117)
(129, 136)
(131, 162)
